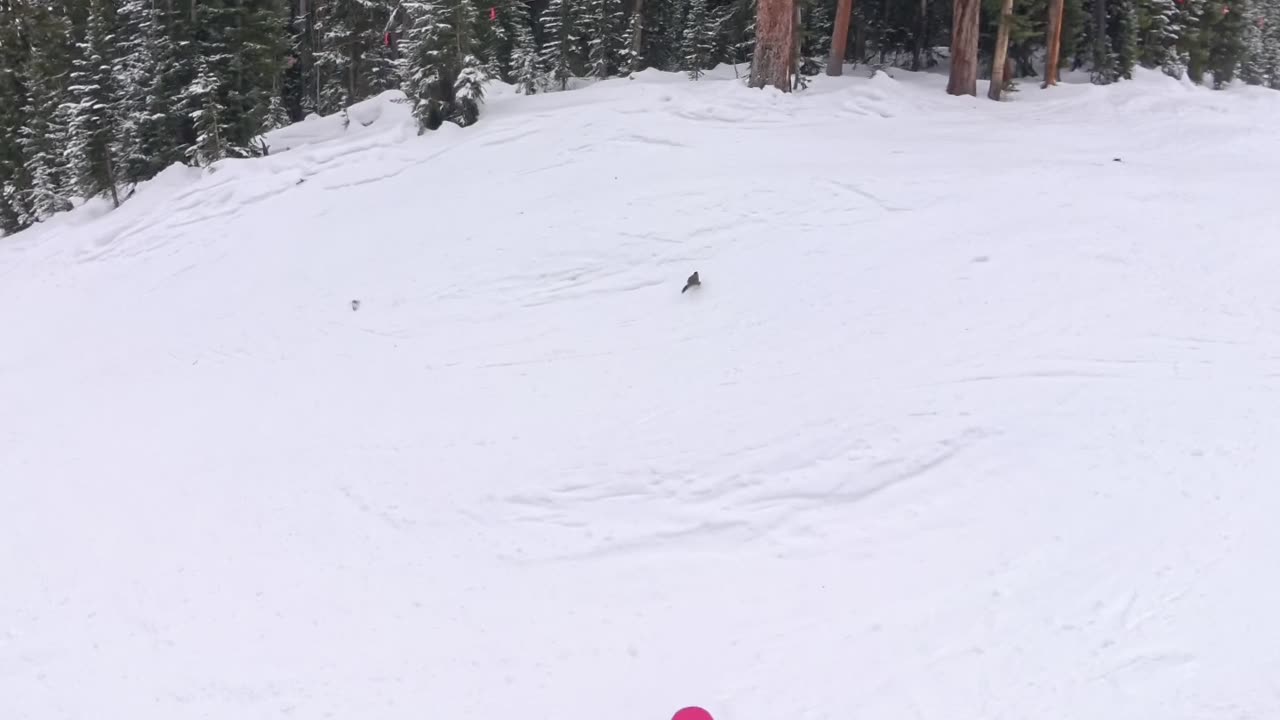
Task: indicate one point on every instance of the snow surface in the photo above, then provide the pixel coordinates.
(968, 420)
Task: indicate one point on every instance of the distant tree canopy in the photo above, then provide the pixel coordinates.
(98, 95)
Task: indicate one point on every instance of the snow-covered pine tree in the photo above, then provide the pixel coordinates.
(631, 56)
(498, 35)
(1267, 59)
(561, 28)
(277, 113)
(338, 46)
(299, 76)
(700, 33)
(1181, 29)
(495, 35)
(43, 140)
(147, 136)
(496, 47)
(348, 60)
(439, 61)
(1124, 36)
(1156, 27)
(739, 22)
(1214, 39)
(379, 68)
(603, 20)
(468, 91)
(526, 71)
(15, 180)
(303, 84)
(1197, 37)
(424, 66)
(665, 35)
(95, 107)
(1112, 40)
(1102, 70)
(258, 45)
(623, 42)
(177, 60)
(816, 38)
(211, 99)
(1252, 70)
(1227, 48)
(469, 26)
(205, 94)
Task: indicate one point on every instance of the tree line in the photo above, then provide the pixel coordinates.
(99, 95)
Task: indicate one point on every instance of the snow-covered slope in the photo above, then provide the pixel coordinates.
(975, 415)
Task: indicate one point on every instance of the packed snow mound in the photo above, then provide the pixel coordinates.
(388, 112)
(972, 416)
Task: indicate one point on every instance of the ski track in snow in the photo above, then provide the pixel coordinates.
(973, 416)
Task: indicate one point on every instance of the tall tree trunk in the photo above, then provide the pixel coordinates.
(353, 74)
(922, 30)
(1100, 39)
(1000, 64)
(1054, 49)
(859, 41)
(796, 25)
(964, 48)
(638, 39)
(839, 37)
(111, 180)
(774, 37)
(883, 41)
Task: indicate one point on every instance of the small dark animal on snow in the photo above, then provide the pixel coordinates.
(355, 304)
(693, 282)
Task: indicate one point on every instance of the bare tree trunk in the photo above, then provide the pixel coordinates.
(774, 37)
(917, 52)
(859, 41)
(111, 181)
(882, 40)
(353, 74)
(796, 60)
(638, 39)
(1054, 49)
(839, 37)
(964, 48)
(1000, 64)
(1099, 44)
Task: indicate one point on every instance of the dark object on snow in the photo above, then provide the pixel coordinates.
(1116, 160)
(355, 305)
(693, 282)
